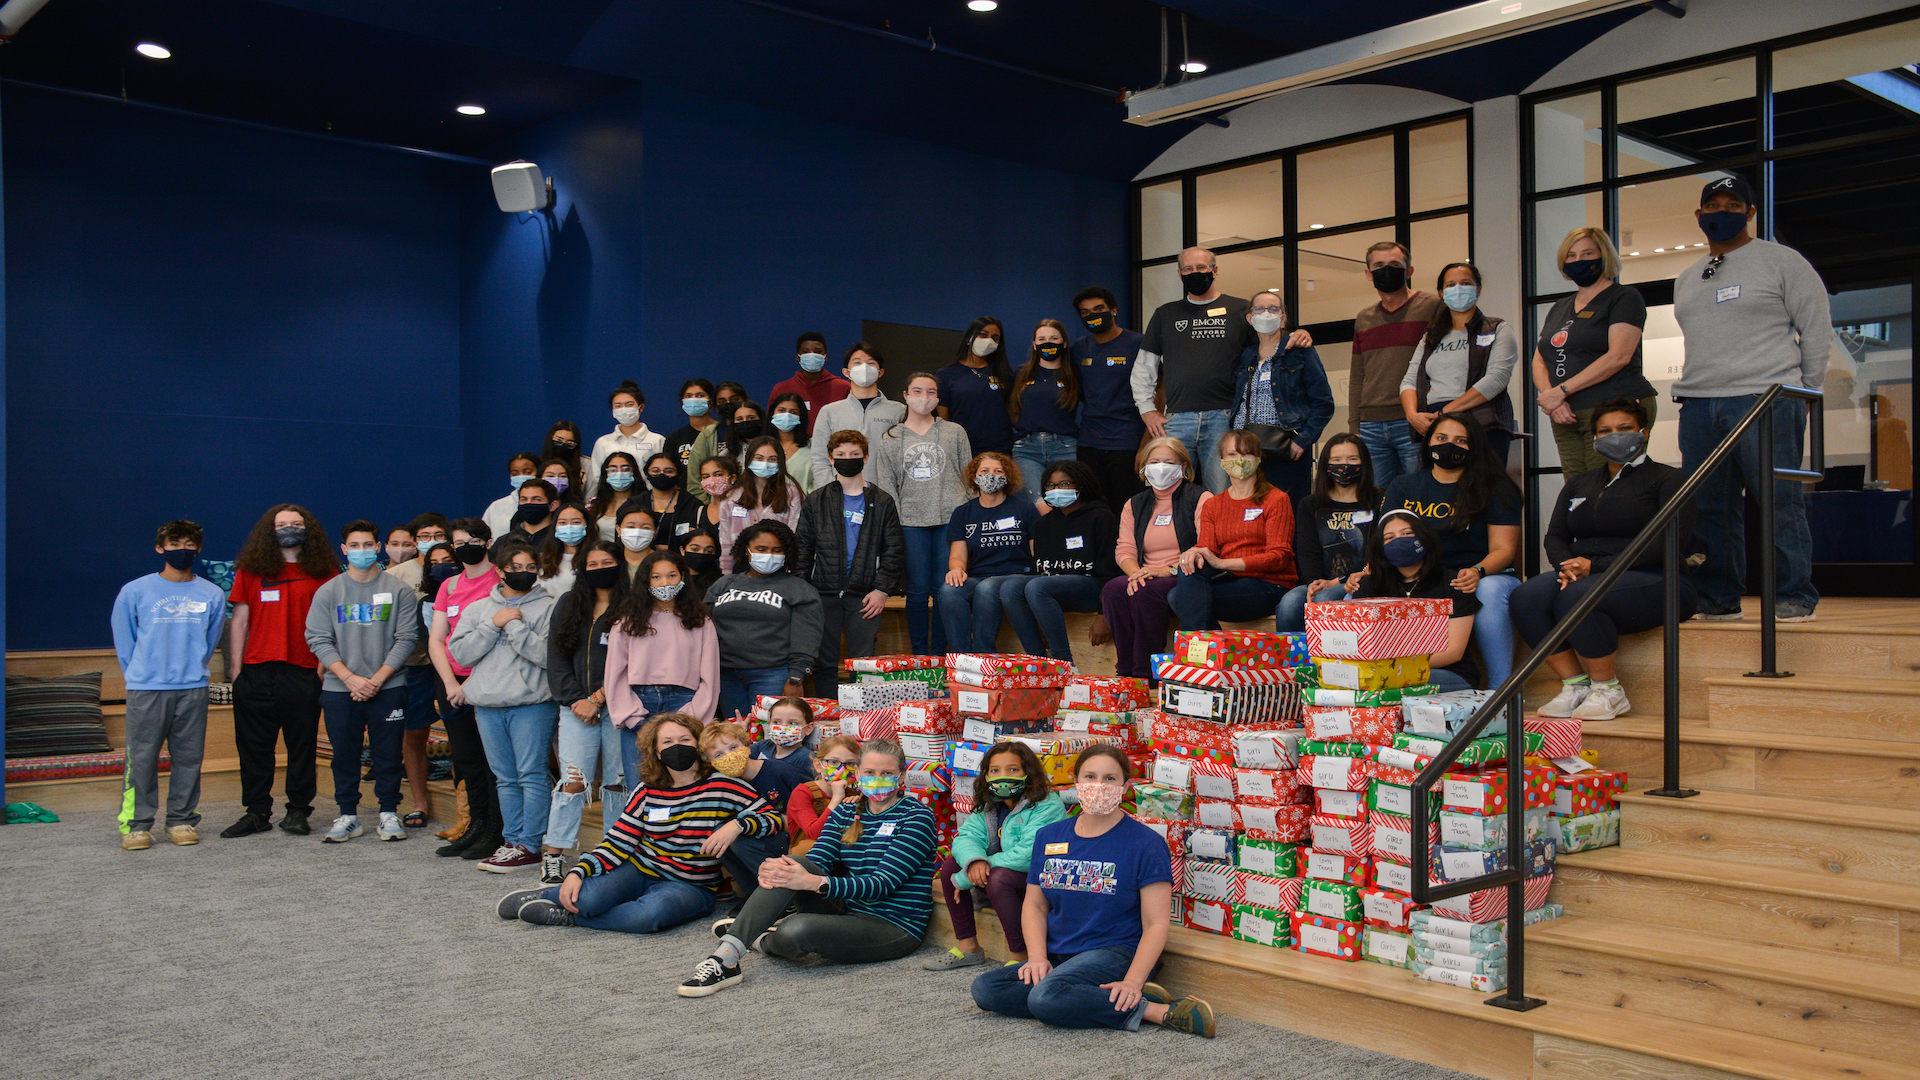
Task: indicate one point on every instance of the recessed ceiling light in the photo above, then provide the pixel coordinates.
(1193, 67)
(1657, 251)
(1316, 225)
(157, 52)
(471, 110)
(982, 5)
(1633, 253)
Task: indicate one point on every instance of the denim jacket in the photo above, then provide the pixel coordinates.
(1302, 398)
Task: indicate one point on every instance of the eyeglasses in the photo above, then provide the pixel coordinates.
(1712, 265)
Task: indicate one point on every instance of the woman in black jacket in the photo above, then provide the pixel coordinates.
(1597, 515)
(853, 586)
(576, 662)
(1073, 557)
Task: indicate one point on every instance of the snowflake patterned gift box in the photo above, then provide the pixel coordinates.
(930, 717)
(1339, 773)
(1378, 629)
(1270, 787)
(1282, 824)
(1096, 693)
(1374, 724)
(1323, 936)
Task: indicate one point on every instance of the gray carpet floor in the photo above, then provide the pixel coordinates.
(279, 956)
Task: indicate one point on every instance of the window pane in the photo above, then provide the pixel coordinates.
(1553, 219)
(1158, 285)
(1659, 237)
(1435, 244)
(1663, 351)
(1701, 114)
(1238, 205)
(1337, 357)
(1566, 142)
(1160, 220)
(1333, 275)
(1437, 166)
(1243, 273)
(1347, 183)
(1853, 212)
(1852, 85)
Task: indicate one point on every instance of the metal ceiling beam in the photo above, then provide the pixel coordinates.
(1460, 28)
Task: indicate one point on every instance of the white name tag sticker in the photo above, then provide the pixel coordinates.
(1483, 340)
(1251, 512)
(383, 598)
(1322, 903)
(884, 830)
(1393, 876)
(1361, 517)
(683, 528)
(922, 472)
(1730, 292)
(1326, 866)
(1463, 829)
(1255, 928)
(1574, 503)
(1463, 864)
(658, 813)
(452, 609)
(1394, 799)
(857, 517)
(1006, 523)
(1173, 772)
(979, 731)
(1339, 803)
(603, 638)
(1075, 543)
(269, 594)
(1213, 786)
(973, 701)
(1159, 520)
(739, 511)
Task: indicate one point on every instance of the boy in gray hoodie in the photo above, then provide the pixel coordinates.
(503, 638)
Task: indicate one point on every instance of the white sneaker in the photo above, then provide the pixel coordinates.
(1567, 700)
(345, 828)
(1603, 703)
(390, 827)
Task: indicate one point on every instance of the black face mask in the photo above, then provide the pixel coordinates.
(1448, 455)
(1389, 278)
(292, 536)
(528, 513)
(1098, 321)
(180, 558)
(442, 571)
(605, 577)
(680, 757)
(1583, 272)
(1048, 352)
(520, 580)
(849, 466)
(703, 562)
(748, 430)
(663, 481)
(471, 554)
(1346, 473)
(1197, 284)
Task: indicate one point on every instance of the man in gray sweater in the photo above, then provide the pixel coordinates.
(362, 627)
(1754, 313)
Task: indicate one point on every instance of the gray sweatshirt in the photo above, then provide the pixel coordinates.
(922, 472)
(1740, 324)
(363, 625)
(847, 414)
(764, 622)
(509, 663)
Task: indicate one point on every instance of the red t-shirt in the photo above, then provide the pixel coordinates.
(455, 594)
(277, 614)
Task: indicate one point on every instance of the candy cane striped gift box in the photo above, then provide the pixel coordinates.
(1007, 664)
(1378, 629)
(1197, 675)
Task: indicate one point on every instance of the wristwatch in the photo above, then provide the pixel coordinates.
(822, 887)
(1478, 569)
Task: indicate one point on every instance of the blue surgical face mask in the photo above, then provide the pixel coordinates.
(767, 562)
(786, 421)
(1723, 225)
(1061, 497)
(620, 481)
(1460, 297)
(1404, 551)
(812, 361)
(694, 406)
(765, 470)
(429, 545)
(570, 534)
(362, 558)
(516, 481)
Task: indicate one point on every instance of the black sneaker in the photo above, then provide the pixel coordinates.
(248, 824)
(710, 977)
(545, 913)
(553, 868)
(723, 927)
(510, 904)
(295, 822)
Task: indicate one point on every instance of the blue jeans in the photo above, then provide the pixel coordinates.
(971, 610)
(1200, 604)
(583, 750)
(740, 686)
(635, 903)
(516, 739)
(1070, 995)
(656, 700)
(743, 858)
(1448, 682)
(1200, 433)
(1034, 451)
(1038, 611)
(1290, 615)
(926, 566)
(1722, 526)
(1493, 628)
(1391, 445)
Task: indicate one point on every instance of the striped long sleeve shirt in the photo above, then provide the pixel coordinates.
(661, 830)
(888, 873)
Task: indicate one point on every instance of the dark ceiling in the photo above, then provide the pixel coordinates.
(393, 72)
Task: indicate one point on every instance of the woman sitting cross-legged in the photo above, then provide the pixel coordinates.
(864, 891)
(660, 863)
(1012, 800)
(1099, 897)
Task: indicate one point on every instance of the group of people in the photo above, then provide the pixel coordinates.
(627, 628)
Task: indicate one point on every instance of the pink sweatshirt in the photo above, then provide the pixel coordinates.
(670, 656)
(735, 518)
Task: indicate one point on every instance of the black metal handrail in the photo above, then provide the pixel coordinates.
(1507, 697)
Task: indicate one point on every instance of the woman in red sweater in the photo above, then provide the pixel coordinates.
(1243, 563)
(834, 764)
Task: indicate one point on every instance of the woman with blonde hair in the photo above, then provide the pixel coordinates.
(1158, 526)
(835, 764)
(1589, 348)
(1045, 407)
(989, 554)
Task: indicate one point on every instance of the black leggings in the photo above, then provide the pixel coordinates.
(1635, 603)
(823, 927)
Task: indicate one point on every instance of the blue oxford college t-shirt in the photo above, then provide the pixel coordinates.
(999, 539)
(1093, 884)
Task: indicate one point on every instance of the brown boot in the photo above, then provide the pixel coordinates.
(461, 818)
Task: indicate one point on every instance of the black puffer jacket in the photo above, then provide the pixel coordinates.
(820, 558)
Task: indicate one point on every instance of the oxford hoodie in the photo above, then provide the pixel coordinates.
(509, 662)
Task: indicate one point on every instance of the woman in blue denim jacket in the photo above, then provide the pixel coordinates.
(1283, 387)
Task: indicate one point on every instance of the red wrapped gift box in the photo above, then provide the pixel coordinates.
(1376, 725)
(1210, 915)
(1039, 703)
(1174, 832)
(929, 718)
(1322, 936)
(1333, 866)
(1286, 824)
(1266, 891)
(1217, 814)
(1213, 780)
(1196, 675)
(1487, 905)
(1024, 680)
(1562, 735)
(1386, 909)
(1393, 837)
(1210, 880)
(1485, 793)
(1272, 787)
(871, 724)
(1083, 723)
(1333, 802)
(823, 708)
(1590, 792)
(1339, 773)
(1379, 629)
(904, 662)
(1007, 664)
(1345, 836)
(1111, 693)
(1231, 649)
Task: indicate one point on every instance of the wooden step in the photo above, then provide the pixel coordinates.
(1872, 771)
(1869, 1007)
(1819, 836)
(1856, 708)
(1824, 913)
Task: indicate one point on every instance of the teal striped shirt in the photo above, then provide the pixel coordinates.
(889, 872)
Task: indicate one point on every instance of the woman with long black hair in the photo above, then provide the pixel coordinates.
(1330, 525)
(763, 492)
(588, 742)
(1463, 363)
(619, 475)
(976, 388)
(1403, 560)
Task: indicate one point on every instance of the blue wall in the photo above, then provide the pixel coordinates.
(216, 318)
(705, 247)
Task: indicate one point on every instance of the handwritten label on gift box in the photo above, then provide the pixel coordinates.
(980, 731)
(1393, 842)
(1331, 772)
(1425, 719)
(1463, 829)
(1173, 772)
(968, 761)
(1255, 784)
(973, 701)
(1209, 916)
(1338, 803)
(1463, 864)
(1073, 723)
(1464, 793)
(1077, 694)
(1261, 860)
(1264, 894)
(1213, 786)
(1393, 948)
(1326, 866)
(1394, 799)
(1389, 875)
(1344, 642)
(1254, 928)
(1322, 939)
(1325, 903)
(1206, 880)
(1330, 724)
(1455, 961)
(1327, 836)
(1194, 702)
(1383, 908)
(1208, 845)
(1218, 815)
(1340, 676)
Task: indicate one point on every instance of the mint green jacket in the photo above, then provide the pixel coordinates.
(1017, 831)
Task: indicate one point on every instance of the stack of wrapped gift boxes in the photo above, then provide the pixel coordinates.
(1585, 811)
(996, 697)
(904, 698)
(1104, 709)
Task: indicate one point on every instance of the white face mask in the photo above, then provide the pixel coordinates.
(863, 375)
(1163, 474)
(636, 539)
(1266, 321)
(983, 346)
(626, 415)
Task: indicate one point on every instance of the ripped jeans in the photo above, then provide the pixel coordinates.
(585, 749)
